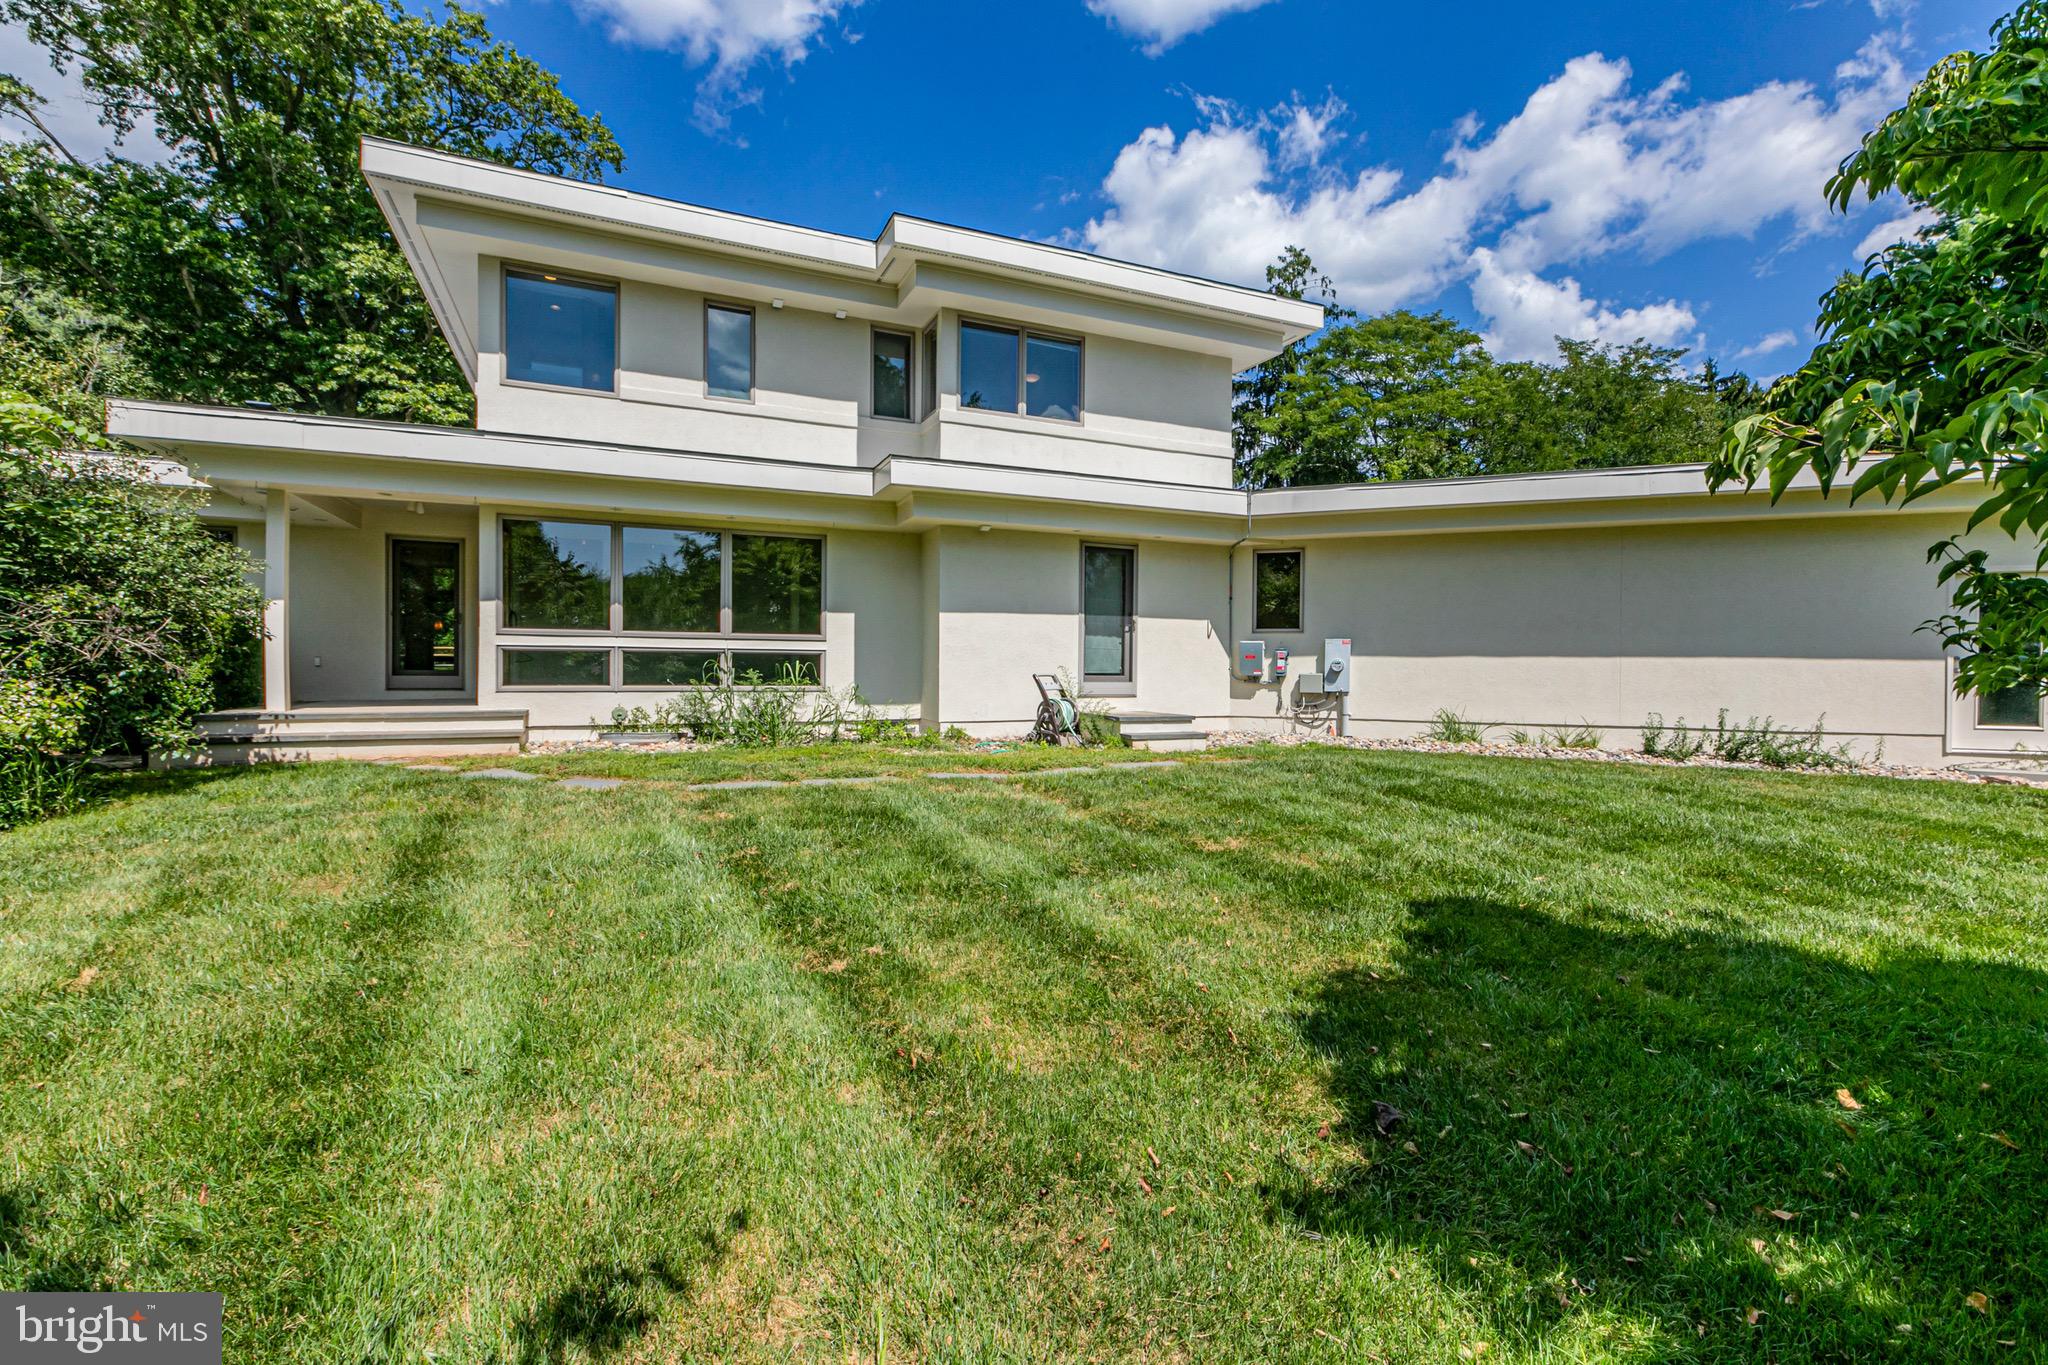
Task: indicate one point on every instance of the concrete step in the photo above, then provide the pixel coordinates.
(233, 738)
(1184, 741)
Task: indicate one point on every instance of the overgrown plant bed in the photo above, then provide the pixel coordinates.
(1847, 767)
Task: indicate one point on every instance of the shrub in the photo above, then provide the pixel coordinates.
(1677, 743)
(752, 711)
(1580, 736)
(119, 614)
(1448, 727)
(1753, 741)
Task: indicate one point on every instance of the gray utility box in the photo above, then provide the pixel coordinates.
(1336, 665)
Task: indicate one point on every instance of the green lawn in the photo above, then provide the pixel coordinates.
(1076, 1068)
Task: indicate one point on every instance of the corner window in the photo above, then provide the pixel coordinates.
(1107, 579)
(1006, 370)
(1279, 590)
(561, 332)
(890, 363)
(728, 351)
(558, 575)
(928, 373)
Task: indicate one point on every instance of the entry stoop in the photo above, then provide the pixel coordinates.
(1160, 731)
(344, 731)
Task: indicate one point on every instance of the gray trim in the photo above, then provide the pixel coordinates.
(550, 275)
(753, 347)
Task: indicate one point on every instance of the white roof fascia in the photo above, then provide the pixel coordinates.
(399, 172)
(901, 476)
(177, 427)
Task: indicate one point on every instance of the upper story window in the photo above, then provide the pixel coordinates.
(889, 359)
(561, 332)
(1004, 369)
(728, 350)
(928, 372)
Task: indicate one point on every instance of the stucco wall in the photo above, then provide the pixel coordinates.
(1789, 618)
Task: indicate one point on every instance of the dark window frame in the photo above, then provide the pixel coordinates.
(1025, 335)
(548, 275)
(1259, 622)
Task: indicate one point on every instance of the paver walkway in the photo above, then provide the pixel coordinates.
(599, 784)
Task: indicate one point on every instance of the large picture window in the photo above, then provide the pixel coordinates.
(558, 575)
(561, 332)
(1279, 590)
(659, 580)
(1004, 369)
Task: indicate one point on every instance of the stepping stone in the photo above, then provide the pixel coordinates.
(967, 777)
(429, 768)
(845, 781)
(1061, 772)
(1155, 763)
(732, 786)
(502, 775)
(591, 784)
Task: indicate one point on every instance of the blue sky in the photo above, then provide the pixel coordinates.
(1607, 169)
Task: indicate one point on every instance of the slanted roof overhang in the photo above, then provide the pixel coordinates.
(817, 269)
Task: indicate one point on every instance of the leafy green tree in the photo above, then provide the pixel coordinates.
(253, 264)
(1598, 407)
(1274, 437)
(1932, 368)
(117, 614)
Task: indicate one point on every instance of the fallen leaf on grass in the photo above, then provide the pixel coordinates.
(1105, 1244)
(1782, 1215)
(1145, 1187)
(1980, 1302)
(1155, 1158)
(82, 980)
(2003, 1141)
(1847, 1127)
(1847, 1100)
(1753, 1316)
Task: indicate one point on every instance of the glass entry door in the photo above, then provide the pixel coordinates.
(426, 614)
(1106, 574)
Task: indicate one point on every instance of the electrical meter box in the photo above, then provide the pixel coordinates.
(1251, 660)
(1279, 665)
(1336, 665)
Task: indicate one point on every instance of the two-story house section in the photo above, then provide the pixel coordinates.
(930, 464)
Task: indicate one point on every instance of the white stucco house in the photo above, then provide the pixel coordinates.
(936, 462)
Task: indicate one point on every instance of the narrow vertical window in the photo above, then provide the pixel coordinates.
(890, 363)
(728, 351)
(928, 374)
(1106, 583)
(1279, 590)
(561, 332)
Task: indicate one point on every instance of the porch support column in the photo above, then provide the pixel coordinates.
(277, 577)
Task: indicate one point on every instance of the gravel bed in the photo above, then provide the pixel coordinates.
(1236, 738)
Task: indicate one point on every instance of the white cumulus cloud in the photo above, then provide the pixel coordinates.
(1893, 230)
(1768, 344)
(1162, 23)
(1588, 166)
(730, 36)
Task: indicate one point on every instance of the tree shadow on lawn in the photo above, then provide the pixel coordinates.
(609, 1305)
(1644, 1124)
